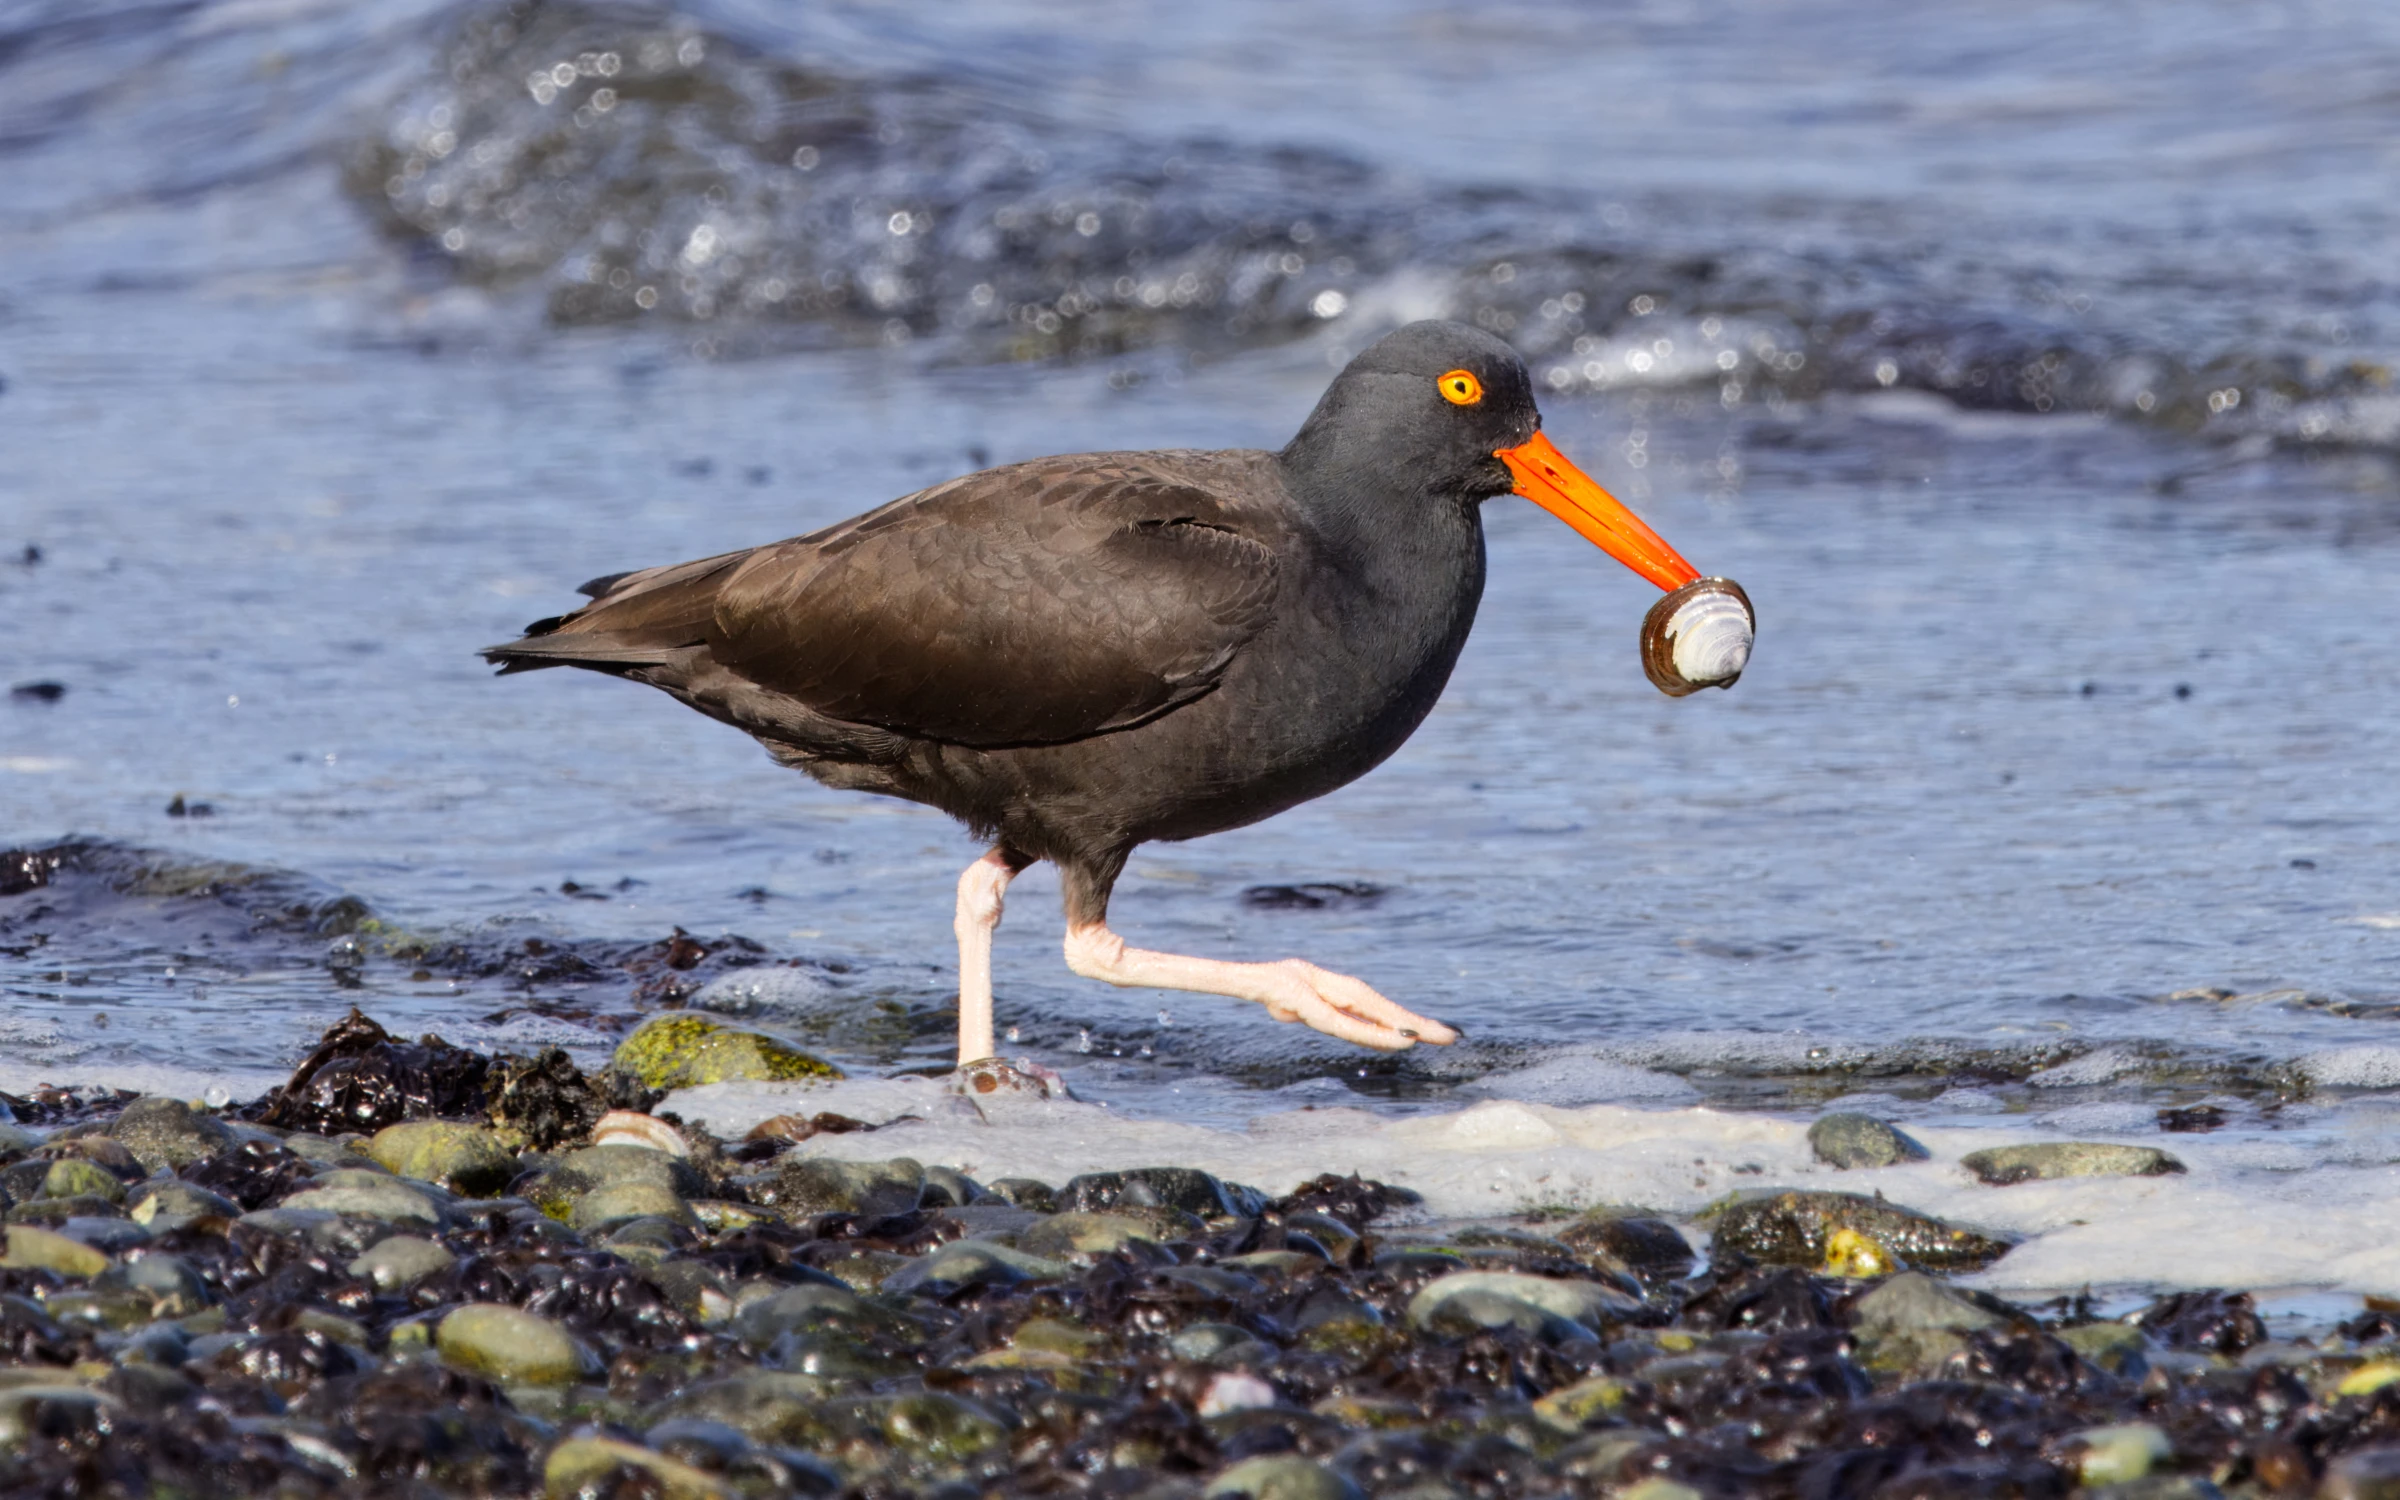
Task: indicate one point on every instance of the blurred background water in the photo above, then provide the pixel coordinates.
(2031, 366)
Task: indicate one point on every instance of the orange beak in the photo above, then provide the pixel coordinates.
(1546, 478)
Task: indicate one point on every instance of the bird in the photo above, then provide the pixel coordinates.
(1074, 656)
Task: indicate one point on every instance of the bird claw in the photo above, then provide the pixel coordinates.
(1350, 1009)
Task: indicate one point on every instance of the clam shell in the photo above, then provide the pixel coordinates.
(624, 1127)
(1698, 636)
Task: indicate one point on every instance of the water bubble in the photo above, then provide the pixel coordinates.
(217, 1096)
(1328, 303)
(1886, 372)
(805, 158)
(1083, 1040)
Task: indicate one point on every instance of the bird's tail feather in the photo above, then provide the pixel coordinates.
(650, 617)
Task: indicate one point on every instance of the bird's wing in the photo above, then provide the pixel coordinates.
(1035, 604)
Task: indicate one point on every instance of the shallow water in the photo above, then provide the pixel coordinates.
(2031, 371)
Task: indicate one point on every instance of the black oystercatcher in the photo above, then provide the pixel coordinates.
(1073, 656)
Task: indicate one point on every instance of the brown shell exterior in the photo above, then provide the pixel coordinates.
(1658, 653)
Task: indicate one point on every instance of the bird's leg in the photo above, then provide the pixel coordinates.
(980, 888)
(1291, 989)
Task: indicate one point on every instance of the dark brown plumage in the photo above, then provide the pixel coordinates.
(1077, 655)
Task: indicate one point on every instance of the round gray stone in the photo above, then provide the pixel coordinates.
(1851, 1141)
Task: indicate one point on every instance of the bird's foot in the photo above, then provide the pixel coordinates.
(1351, 1009)
(1291, 990)
(991, 1077)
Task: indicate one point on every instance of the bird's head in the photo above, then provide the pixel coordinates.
(1446, 411)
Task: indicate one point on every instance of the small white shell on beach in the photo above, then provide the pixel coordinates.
(1698, 636)
(625, 1127)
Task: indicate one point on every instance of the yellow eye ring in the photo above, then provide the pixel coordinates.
(1460, 388)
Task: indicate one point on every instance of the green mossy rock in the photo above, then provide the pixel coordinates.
(1792, 1228)
(73, 1177)
(466, 1159)
(683, 1050)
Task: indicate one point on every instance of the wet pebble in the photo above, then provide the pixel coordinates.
(398, 1263)
(511, 1346)
(371, 1195)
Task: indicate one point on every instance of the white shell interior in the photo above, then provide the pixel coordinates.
(1711, 632)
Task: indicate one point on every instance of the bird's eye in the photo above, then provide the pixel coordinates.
(1461, 388)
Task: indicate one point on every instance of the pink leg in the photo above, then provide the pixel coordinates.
(979, 892)
(1291, 990)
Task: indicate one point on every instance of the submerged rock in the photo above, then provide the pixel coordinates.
(2042, 1161)
(682, 1050)
(1795, 1228)
(1851, 1141)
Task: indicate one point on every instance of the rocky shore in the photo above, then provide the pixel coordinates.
(418, 1271)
